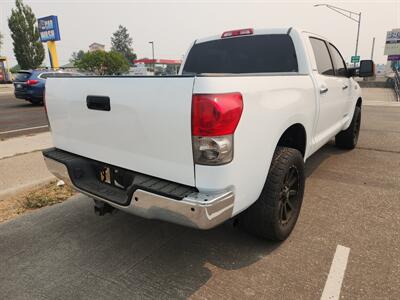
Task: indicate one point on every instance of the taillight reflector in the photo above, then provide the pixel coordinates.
(237, 32)
(216, 114)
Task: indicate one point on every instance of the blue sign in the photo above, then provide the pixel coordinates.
(48, 29)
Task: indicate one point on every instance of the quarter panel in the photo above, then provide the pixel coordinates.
(271, 105)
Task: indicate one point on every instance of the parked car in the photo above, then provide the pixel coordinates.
(228, 138)
(29, 85)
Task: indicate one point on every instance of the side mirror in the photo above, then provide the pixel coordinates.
(367, 68)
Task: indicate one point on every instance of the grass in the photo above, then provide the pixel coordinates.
(48, 195)
(40, 197)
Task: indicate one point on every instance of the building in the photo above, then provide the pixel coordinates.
(147, 66)
(96, 47)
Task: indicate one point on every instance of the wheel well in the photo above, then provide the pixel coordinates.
(294, 137)
(359, 102)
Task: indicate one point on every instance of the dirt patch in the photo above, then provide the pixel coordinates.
(40, 197)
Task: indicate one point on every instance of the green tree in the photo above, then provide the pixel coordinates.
(28, 49)
(15, 69)
(76, 56)
(103, 63)
(121, 42)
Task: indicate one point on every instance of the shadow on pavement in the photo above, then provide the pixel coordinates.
(320, 156)
(65, 251)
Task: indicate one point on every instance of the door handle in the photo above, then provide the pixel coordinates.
(345, 86)
(323, 90)
(98, 103)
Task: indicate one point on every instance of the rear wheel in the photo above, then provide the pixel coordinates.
(275, 213)
(347, 139)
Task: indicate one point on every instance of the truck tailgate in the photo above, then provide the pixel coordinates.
(147, 128)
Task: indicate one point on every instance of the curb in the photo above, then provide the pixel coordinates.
(25, 187)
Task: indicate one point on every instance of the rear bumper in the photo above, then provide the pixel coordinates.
(198, 210)
(29, 94)
(20, 95)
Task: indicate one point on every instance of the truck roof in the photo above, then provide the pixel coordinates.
(279, 30)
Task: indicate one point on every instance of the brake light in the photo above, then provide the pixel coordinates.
(237, 32)
(214, 121)
(32, 82)
(216, 114)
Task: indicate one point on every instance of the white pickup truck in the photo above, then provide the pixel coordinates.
(226, 138)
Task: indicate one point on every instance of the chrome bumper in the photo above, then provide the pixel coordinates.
(198, 210)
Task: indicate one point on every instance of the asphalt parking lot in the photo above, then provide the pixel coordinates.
(19, 117)
(351, 199)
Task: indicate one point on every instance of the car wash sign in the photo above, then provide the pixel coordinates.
(392, 45)
(48, 29)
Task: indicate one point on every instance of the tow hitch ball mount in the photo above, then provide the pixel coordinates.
(101, 208)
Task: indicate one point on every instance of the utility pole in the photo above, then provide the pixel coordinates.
(152, 51)
(373, 48)
(354, 16)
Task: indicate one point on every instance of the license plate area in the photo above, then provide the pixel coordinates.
(115, 177)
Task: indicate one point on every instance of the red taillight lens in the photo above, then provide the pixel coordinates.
(216, 114)
(237, 32)
(32, 82)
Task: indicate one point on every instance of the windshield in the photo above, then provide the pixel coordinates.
(248, 54)
(22, 76)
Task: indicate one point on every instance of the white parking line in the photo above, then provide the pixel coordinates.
(24, 129)
(333, 284)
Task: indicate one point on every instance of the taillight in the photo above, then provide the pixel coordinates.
(237, 32)
(32, 82)
(214, 121)
(216, 114)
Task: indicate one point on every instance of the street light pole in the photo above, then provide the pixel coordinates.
(354, 16)
(358, 34)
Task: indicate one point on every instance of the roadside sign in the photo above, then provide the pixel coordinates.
(48, 29)
(392, 45)
(355, 59)
(393, 57)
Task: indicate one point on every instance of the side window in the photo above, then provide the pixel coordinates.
(322, 57)
(338, 62)
(48, 75)
(44, 75)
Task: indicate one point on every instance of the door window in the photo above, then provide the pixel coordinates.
(322, 57)
(338, 62)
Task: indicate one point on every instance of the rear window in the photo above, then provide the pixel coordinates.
(248, 54)
(22, 76)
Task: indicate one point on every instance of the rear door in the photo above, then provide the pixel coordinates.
(141, 124)
(341, 74)
(330, 92)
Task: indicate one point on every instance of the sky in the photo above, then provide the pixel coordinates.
(174, 25)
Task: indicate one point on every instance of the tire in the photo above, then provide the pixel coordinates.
(275, 213)
(347, 139)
